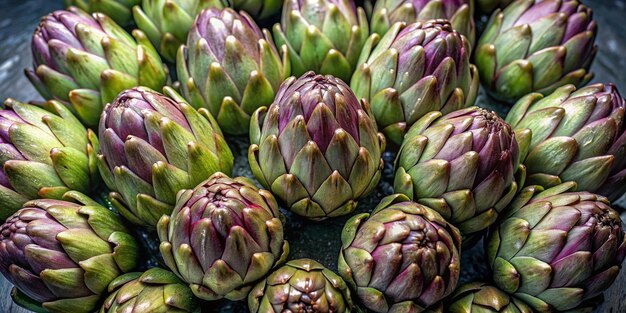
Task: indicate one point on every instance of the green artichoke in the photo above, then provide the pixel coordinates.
(301, 285)
(488, 6)
(230, 67)
(43, 154)
(462, 165)
(61, 255)
(536, 46)
(557, 248)
(316, 147)
(118, 10)
(458, 12)
(324, 36)
(222, 237)
(403, 257)
(259, 9)
(483, 298)
(154, 291)
(152, 147)
(577, 135)
(85, 62)
(414, 70)
(167, 22)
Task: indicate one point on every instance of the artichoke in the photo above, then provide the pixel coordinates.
(458, 12)
(152, 147)
(482, 298)
(324, 36)
(557, 248)
(85, 61)
(414, 70)
(316, 147)
(259, 9)
(462, 165)
(488, 6)
(577, 135)
(301, 285)
(118, 10)
(230, 67)
(154, 291)
(61, 255)
(536, 46)
(43, 154)
(222, 237)
(403, 257)
(167, 22)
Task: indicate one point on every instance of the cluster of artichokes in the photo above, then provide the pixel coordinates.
(122, 150)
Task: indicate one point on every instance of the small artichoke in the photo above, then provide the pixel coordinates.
(462, 165)
(301, 285)
(259, 9)
(483, 298)
(458, 12)
(43, 154)
(152, 147)
(557, 248)
(324, 36)
(230, 67)
(403, 257)
(118, 10)
(414, 70)
(316, 147)
(536, 46)
(488, 6)
(85, 61)
(577, 135)
(154, 291)
(222, 237)
(167, 22)
(62, 255)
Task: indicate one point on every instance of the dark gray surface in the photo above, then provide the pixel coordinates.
(320, 241)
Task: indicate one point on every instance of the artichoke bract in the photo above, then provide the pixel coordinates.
(324, 36)
(316, 147)
(577, 135)
(152, 147)
(155, 291)
(259, 9)
(458, 12)
(403, 257)
(462, 165)
(230, 67)
(167, 22)
(557, 248)
(43, 154)
(62, 255)
(536, 46)
(118, 10)
(414, 70)
(222, 237)
(85, 61)
(301, 285)
(479, 297)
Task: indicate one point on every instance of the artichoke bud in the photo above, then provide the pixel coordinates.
(118, 10)
(481, 297)
(259, 9)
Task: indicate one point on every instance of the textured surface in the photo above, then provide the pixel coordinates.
(319, 241)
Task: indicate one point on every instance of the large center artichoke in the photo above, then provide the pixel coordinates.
(413, 70)
(536, 46)
(152, 147)
(301, 286)
(403, 257)
(167, 22)
(85, 61)
(458, 12)
(462, 165)
(62, 255)
(557, 248)
(118, 10)
(230, 67)
(222, 237)
(324, 36)
(316, 147)
(43, 154)
(577, 135)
